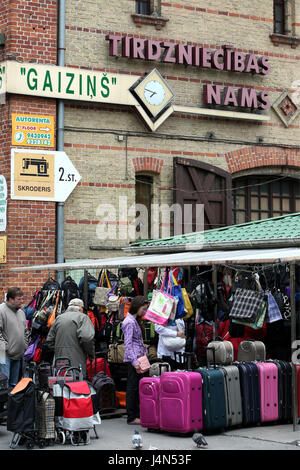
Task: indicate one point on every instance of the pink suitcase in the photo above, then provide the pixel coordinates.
(268, 382)
(181, 402)
(149, 391)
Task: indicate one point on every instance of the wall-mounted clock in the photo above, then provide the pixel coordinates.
(154, 93)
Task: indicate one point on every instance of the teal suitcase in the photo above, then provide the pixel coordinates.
(213, 399)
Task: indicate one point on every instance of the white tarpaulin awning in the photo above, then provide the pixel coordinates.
(185, 258)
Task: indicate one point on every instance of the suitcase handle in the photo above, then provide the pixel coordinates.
(213, 349)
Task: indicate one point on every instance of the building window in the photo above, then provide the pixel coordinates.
(142, 7)
(279, 16)
(256, 198)
(143, 201)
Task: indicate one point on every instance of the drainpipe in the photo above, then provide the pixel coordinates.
(60, 137)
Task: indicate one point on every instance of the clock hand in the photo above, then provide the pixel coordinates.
(150, 91)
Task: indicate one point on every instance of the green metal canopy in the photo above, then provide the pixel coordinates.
(277, 231)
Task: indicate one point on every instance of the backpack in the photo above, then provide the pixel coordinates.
(125, 286)
(204, 334)
(105, 398)
(92, 284)
(51, 284)
(138, 286)
(70, 290)
(30, 308)
(148, 332)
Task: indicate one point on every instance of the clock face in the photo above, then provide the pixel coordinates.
(154, 92)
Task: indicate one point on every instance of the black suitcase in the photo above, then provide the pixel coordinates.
(250, 392)
(284, 389)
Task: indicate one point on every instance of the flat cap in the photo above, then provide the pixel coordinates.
(76, 303)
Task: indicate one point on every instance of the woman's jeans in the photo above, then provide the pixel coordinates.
(12, 370)
(132, 394)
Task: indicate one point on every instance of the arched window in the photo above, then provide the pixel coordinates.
(261, 197)
(279, 17)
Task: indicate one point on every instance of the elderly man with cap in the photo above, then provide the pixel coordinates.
(72, 335)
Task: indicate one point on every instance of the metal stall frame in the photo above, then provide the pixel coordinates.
(197, 258)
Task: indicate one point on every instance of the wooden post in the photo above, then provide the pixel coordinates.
(145, 279)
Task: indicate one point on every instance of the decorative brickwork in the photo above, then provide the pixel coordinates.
(256, 157)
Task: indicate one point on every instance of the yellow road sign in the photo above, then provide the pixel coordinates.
(32, 130)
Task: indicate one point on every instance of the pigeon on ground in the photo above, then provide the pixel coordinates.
(199, 439)
(137, 440)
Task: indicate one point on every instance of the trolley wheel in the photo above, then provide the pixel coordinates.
(60, 437)
(30, 444)
(75, 438)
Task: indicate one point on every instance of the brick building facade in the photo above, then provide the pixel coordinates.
(257, 160)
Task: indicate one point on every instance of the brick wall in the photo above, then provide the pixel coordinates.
(109, 166)
(30, 32)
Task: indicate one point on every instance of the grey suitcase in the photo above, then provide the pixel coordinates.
(219, 352)
(233, 397)
(157, 368)
(250, 351)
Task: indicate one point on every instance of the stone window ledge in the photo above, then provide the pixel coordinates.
(158, 21)
(278, 39)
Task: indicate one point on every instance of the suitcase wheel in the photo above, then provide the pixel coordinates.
(60, 437)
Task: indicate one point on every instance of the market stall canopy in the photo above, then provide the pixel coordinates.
(280, 232)
(184, 258)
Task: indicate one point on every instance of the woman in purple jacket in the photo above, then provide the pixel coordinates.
(134, 348)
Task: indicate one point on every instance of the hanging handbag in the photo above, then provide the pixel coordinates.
(101, 292)
(246, 305)
(30, 351)
(187, 304)
(161, 306)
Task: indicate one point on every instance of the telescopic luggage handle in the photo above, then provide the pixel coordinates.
(213, 349)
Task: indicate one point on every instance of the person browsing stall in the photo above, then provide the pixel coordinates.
(14, 335)
(72, 335)
(134, 349)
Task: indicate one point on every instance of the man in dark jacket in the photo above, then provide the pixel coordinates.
(72, 335)
(14, 335)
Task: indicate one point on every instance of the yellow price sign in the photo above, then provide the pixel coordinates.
(3, 249)
(32, 131)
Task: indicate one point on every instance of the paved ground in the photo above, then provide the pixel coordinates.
(114, 435)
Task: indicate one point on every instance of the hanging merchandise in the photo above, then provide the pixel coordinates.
(273, 312)
(92, 284)
(204, 299)
(204, 334)
(161, 306)
(30, 351)
(31, 306)
(246, 305)
(177, 294)
(125, 286)
(259, 320)
(51, 284)
(187, 304)
(151, 277)
(70, 290)
(53, 314)
(101, 292)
